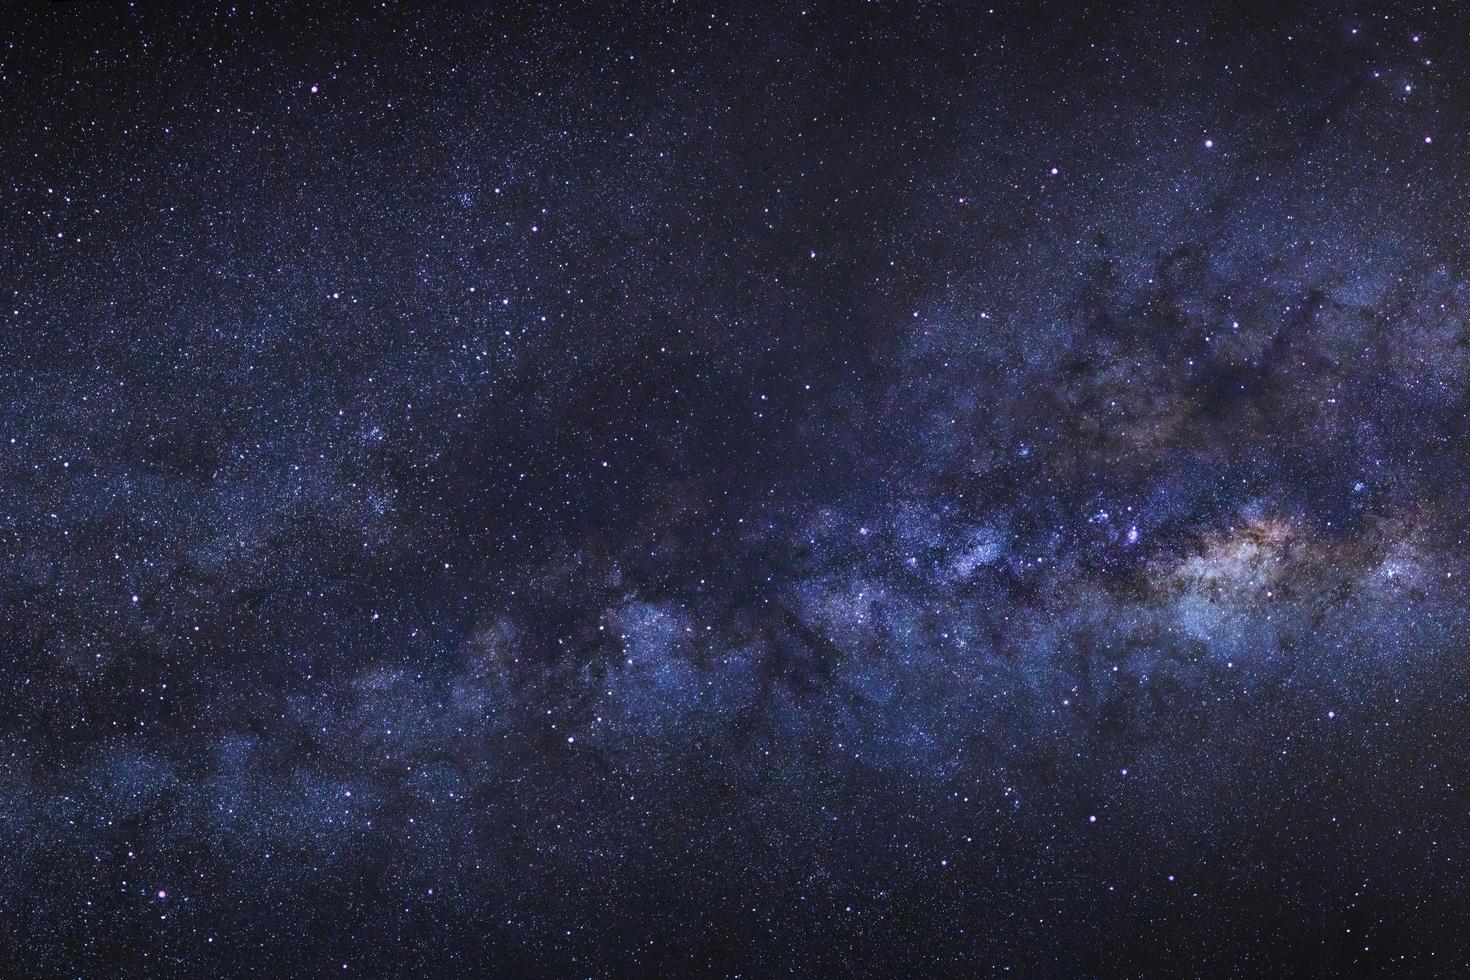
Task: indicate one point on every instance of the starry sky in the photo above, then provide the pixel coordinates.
(734, 489)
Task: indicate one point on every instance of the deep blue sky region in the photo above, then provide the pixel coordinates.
(734, 489)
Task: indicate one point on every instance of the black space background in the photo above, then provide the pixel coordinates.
(734, 489)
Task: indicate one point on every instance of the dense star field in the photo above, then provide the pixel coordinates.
(709, 489)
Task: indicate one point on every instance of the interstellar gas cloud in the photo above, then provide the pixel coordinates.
(734, 489)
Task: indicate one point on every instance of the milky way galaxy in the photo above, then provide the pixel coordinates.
(741, 490)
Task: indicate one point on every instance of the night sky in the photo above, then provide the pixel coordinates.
(736, 490)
